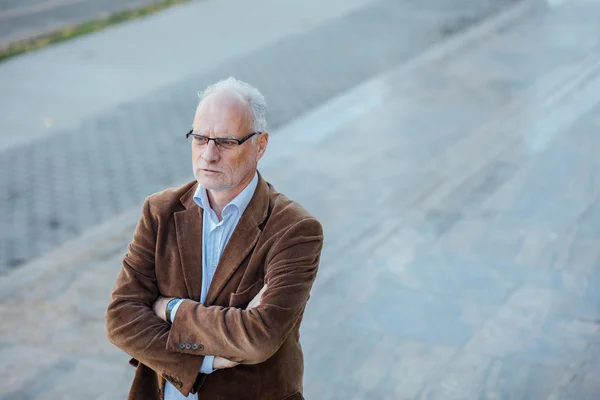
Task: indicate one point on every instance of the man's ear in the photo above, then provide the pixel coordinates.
(261, 143)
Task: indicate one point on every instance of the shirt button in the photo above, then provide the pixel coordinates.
(182, 345)
(188, 346)
(194, 346)
(200, 347)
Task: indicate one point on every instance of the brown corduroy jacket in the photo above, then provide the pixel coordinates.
(276, 242)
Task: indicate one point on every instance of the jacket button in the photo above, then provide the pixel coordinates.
(194, 346)
(188, 346)
(181, 345)
(200, 347)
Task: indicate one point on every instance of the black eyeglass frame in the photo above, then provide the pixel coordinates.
(218, 139)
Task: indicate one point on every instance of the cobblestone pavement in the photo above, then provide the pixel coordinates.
(24, 19)
(111, 161)
(461, 258)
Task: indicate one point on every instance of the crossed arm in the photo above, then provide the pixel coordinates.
(251, 336)
(242, 336)
(160, 306)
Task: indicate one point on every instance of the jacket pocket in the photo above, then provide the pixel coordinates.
(241, 299)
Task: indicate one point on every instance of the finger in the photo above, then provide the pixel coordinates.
(259, 294)
(253, 303)
(218, 363)
(258, 297)
(223, 363)
(262, 291)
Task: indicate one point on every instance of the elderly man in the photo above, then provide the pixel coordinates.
(213, 287)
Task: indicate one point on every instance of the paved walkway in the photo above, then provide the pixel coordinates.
(26, 19)
(460, 198)
(111, 104)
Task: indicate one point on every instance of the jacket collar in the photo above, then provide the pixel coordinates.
(188, 224)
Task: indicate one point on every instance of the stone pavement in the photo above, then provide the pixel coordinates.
(25, 19)
(460, 196)
(86, 121)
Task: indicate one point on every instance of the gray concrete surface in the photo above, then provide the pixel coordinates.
(460, 199)
(26, 19)
(90, 122)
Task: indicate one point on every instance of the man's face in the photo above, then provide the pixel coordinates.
(224, 115)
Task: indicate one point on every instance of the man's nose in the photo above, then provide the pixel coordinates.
(211, 152)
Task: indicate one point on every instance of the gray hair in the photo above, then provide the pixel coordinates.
(248, 93)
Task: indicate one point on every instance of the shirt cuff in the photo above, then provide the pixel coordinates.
(174, 310)
(207, 365)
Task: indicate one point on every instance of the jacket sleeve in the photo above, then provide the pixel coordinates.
(252, 336)
(131, 324)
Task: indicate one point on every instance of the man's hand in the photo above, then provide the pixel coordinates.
(223, 363)
(255, 302)
(160, 307)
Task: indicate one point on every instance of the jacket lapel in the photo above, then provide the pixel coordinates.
(242, 241)
(188, 224)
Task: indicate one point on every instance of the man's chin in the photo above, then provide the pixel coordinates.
(209, 183)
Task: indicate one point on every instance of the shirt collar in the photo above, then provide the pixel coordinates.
(240, 202)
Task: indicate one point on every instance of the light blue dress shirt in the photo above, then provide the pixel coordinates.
(215, 235)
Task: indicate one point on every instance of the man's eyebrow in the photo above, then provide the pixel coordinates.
(204, 134)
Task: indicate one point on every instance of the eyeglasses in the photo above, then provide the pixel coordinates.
(225, 142)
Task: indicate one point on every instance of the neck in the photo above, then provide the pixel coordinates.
(220, 198)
